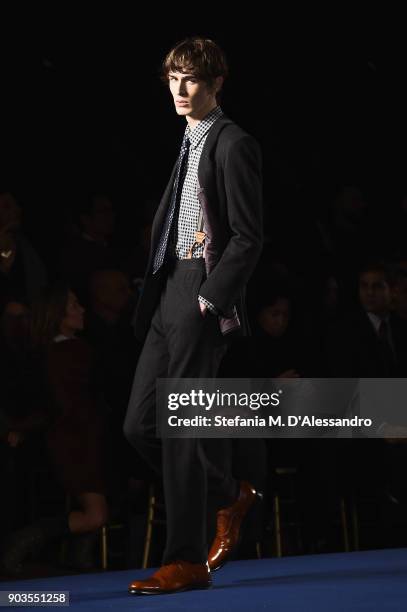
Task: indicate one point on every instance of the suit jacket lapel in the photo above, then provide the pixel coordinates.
(162, 210)
(205, 168)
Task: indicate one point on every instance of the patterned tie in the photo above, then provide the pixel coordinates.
(174, 205)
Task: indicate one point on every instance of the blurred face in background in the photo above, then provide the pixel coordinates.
(15, 325)
(351, 204)
(274, 319)
(10, 212)
(111, 294)
(400, 298)
(375, 293)
(100, 222)
(73, 320)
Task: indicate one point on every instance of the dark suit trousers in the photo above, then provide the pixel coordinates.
(181, 343)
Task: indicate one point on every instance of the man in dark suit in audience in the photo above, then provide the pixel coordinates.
(371, 341)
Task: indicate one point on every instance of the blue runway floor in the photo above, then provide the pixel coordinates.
(372, 580)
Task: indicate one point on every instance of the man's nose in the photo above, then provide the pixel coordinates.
(182, 89)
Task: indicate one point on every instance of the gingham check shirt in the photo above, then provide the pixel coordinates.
(189, 204)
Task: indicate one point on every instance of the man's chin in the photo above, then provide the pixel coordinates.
(182, 110)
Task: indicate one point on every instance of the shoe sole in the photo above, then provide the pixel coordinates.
(186, 588)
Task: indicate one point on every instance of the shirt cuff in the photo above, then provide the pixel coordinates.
(212, 309)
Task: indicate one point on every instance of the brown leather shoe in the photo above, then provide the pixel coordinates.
(177, 576)
(228, 524)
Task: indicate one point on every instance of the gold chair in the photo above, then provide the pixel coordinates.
(285, 497)
(154, 507)
(103, 536)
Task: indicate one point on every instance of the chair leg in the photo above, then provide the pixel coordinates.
(277, 521)
(345, 528)
(103, 534)
(355, 526)
(64, 547)
(149, 531)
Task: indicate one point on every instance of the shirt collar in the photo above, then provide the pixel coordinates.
(201, 129)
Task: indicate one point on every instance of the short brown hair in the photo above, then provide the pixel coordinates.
(196, 55)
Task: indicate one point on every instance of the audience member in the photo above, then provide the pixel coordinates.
(75, 432)
(108, 329)
(371, 340)
(22, 274)
(89, 248)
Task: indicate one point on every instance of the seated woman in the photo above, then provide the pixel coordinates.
(75, 432)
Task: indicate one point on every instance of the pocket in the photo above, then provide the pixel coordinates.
(196, 294)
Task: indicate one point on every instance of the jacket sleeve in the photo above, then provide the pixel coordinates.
(243, 189)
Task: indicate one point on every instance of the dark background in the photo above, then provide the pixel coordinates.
(83, 106)
(82, 109)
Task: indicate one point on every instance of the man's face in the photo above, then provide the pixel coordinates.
(374, 293)
(274, 319)
(73, 320)
(192, 96)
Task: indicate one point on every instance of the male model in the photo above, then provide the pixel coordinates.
(206, 239)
